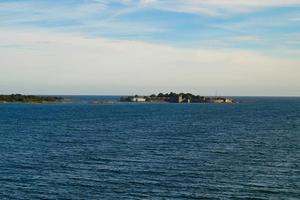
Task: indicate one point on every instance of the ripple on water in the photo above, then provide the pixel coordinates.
(151, 151)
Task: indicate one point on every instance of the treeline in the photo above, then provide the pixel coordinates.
(190, 96)
(19, 98)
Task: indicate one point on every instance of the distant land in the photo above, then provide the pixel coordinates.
(19, 98)
(177, 98)
(159, 98)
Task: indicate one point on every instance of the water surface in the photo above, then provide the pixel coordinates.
(151, 151)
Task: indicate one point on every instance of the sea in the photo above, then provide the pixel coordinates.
(82, 150)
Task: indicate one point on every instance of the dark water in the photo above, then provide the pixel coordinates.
(79, 150)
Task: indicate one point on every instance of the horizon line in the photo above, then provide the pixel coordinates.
(36, 94)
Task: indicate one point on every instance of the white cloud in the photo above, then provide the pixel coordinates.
(90, 17)
(43, 62)
(246, 38)
(296, 19)
(34, 61)
(36, 10)
(148, 2)
(219, 7)
(31, 11)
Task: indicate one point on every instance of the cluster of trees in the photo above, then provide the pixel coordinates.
(171, 94)
(185, 98)
(184, 95)
(28, 98)
(190, 96)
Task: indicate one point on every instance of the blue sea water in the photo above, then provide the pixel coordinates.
(80, 150)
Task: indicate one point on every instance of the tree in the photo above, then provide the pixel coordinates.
(160, 95)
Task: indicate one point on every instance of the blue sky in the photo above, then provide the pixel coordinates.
(260, 30)
(238, 26)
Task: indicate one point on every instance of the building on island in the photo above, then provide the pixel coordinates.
(157, 99)
(138, 99)
(176, 99)
(133, 99)
(220, 100)
(227, 100)
(187, 100)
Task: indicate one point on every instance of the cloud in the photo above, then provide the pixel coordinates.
(37, 10)
(147, 2)
(43, 62)
(217, 7)
(125, 19)
(246, 38)
(91, 17)
(50, 47)
(297, 19)
(16, 11)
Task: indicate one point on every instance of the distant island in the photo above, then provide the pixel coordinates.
(103, 102)
(19, 98)
(177, 98)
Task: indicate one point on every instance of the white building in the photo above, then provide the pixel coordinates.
(138, 99)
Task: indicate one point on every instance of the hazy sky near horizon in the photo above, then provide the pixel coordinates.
(232, 47)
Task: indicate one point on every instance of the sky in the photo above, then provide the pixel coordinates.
(118, 47)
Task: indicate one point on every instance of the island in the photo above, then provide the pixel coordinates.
(176, 98)
(103, 102)
(19, 98)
